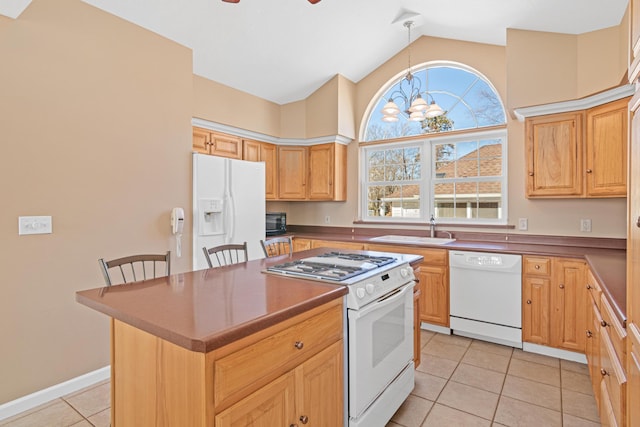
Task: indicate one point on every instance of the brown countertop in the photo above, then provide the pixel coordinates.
(611, 272)
(607, 260)
(206, 309)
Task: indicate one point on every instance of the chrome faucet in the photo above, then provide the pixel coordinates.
(432, 221)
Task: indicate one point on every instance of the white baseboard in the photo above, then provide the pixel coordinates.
(33, 400)
(435, 328)
(554, 352)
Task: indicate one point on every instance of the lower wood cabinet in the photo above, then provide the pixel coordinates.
(301, 244)
(554, 302)
(306, 395)
(605, 338)
(336, 244)
(260, 380)
(433, 275)
(633, 376)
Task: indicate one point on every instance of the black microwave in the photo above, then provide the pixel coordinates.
(276, 223)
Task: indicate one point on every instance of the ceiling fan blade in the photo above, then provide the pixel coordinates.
(231, 1)
(314, 1)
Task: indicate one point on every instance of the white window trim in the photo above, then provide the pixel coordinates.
(427, 143)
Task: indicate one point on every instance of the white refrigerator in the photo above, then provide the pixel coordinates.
(228, 205)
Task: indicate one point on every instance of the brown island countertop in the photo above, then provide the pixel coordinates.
(605, 257)
(207, 309)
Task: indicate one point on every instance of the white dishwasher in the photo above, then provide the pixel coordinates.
(486, 296)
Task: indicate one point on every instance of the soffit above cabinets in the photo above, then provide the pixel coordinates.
(576, 104)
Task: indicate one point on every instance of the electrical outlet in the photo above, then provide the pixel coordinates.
(523, 224)
(585, 225)
(34, 225)
(327, 219)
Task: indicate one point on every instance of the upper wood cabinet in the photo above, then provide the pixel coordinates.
(554, 155)
(606, 149)
(292, 172)
(316, 172)
(327, 172)
(219, 144)
(256, 151)
(579, 153)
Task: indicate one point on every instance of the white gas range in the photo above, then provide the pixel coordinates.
(380, 326)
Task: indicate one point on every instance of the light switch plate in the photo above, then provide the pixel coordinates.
(523, 224)
(34, 225)
(585, 225)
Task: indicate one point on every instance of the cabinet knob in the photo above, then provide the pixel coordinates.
(304, 419)
(638, 222)
(537, 267)
(299, 345)
(589, 334)
(561, 286)
(603, 372)
(604, 323)
(530, 173)
(588, 286)
(528, 301)
(589, 171)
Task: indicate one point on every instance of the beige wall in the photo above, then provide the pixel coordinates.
(95, 131)
(221, 104)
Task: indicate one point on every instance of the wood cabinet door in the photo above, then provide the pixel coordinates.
(633, 376)
(592, 346)
(554, 155)
(201, 140)
(568, 304)
(226, 145)
(250, 150)
(301, 244)
(535, 309)
(268, 155)
(417, 342)
(319, 389)
(434, 298)
(336, 244)
(606, 150)
(321, 171)
(292, 173)
(272, 405)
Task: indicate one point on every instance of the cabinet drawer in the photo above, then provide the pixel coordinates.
(336, 244)
(613, 377)
(248, 369)
(617, 333)
(536, 266)
(594, 288)
(633, 374)
(431, 256)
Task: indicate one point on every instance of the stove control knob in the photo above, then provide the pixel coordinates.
(360, 292)
(370, 288)
(404, 272)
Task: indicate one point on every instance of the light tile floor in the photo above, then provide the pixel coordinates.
(465, 382)
(460, 382)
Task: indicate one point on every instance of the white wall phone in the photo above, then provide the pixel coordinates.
(177, 225)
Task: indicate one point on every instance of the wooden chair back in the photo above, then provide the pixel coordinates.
(135, 267)
(222, 255)
(277, 246)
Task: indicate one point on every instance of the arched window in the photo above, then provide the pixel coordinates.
(457, 177)
(468, 99)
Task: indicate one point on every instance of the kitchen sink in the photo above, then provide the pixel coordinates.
(413, 240)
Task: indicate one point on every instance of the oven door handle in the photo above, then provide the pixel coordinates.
(383, 301)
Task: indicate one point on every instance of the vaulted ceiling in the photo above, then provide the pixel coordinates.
(283, 50)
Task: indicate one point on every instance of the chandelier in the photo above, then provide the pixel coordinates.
(409, 92)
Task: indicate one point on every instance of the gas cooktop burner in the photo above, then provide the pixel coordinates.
(334, 266)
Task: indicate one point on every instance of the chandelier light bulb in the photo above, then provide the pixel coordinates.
(416, 116)
(434, 110)
(390, 108)
(418, 104)
(390, 118)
